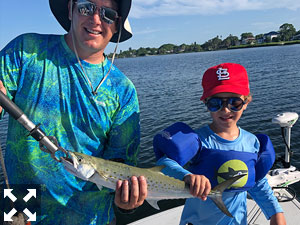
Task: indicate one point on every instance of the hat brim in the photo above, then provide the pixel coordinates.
(225, 88)
(59, 8)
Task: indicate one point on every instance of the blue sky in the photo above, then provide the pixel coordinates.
(157, 22)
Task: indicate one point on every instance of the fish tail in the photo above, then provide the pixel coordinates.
(217, 193)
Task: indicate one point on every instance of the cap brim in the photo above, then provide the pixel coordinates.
(224, 88)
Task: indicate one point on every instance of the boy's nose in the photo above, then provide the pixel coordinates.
(225, 107)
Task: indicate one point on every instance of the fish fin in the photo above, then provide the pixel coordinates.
(157, 168)
(218, 191)
(217, 199)
(99, 187)
(153, 203)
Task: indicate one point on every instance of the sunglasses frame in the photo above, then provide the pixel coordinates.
(226, 102)
(84, 10)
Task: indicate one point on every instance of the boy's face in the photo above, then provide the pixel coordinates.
(225, 119)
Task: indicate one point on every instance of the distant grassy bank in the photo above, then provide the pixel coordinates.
(168, 49)
(266, 44)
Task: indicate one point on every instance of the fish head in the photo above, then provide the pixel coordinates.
(79, 165)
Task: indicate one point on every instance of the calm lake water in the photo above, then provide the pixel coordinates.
(169, 89)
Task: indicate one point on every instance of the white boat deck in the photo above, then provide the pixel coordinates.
(255, 215)
(291, 210)
(168, 217)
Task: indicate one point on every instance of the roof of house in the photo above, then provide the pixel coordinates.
(271, 33)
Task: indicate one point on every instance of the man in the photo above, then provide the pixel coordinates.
(66, 83)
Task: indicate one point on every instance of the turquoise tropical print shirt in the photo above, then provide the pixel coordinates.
(43, 77)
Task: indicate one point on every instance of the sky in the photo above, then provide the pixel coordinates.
(158, 22)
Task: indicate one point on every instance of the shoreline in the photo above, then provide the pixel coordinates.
(282, 43)
(271, 44)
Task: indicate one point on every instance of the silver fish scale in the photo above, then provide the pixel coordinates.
(158, 183)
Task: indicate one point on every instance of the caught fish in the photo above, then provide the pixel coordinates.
(106, 173)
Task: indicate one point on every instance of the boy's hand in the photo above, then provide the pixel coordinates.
(199, 185)
(278, 219)
(2, 88)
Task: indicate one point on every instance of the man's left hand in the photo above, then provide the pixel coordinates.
(133, 197)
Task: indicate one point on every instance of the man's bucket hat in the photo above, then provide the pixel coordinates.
(60, 10)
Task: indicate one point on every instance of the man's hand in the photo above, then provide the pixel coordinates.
(133, 195)
(2, 88)
(199, 185)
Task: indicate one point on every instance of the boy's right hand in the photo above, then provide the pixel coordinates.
(2, 88)
(199, 185)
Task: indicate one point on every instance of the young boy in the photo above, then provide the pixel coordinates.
(226, 95)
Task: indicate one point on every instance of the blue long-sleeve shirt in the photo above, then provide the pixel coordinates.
(200, 212)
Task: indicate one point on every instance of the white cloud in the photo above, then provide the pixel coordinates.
(151, 8)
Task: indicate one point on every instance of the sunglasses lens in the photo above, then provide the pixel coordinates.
(236, 104)
(214, 104)
(108, 15)
(86, 8)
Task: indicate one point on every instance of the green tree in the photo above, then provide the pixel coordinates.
(151, 51)
(141, 52)
(181, 48)
(212, 44)
(287, 31)
(230, 41)
(259, 36)
(166, 49)
(197, 48)
(246, 35)
(268, 39)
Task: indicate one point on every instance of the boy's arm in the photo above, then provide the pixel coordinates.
(199, 184)
(263, 195)
(172, 168)
(277, 219)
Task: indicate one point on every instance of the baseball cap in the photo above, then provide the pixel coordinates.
(225, 77)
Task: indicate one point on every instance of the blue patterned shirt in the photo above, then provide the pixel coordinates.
(43, 77)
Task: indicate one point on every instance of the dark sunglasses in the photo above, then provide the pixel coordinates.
(234, 104)
(86, 8)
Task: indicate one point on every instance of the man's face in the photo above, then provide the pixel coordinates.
(91, 33)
